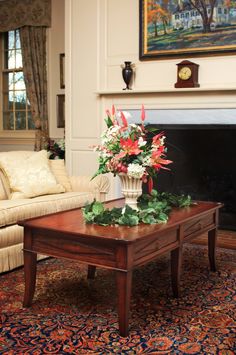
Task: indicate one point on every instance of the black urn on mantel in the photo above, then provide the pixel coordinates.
(127, 73)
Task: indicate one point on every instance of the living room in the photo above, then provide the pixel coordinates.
(97, 37)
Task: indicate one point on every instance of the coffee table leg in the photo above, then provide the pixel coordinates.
(124, 284)
(30, 261)
(176, 262)
(212, 236)
(91, 271)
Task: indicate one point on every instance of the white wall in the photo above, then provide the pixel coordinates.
(56, 45)
(100, 35)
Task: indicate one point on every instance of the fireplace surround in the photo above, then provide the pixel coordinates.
(203, 153)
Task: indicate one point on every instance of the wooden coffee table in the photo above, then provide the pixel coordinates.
(119, 248)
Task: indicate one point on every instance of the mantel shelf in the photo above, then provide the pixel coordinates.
(165, 91)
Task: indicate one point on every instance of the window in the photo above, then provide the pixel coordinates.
(16, 114)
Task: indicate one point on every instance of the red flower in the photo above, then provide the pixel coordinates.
(157, 161)
(129, 147)
(156, 140)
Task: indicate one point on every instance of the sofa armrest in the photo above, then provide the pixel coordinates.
(99, 185)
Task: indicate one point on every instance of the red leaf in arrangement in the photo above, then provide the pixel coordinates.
(143, 115)
(124, 120)
(150, 184)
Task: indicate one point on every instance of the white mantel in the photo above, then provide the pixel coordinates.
(169, 99)
(174, 106)
(223, 90)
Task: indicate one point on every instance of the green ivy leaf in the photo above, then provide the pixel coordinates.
(162, 217)
(97, 208)
(128, 220)
(148, 219)
(153, 208)
(89, 217)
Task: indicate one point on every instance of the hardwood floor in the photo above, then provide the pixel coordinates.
(225, 239)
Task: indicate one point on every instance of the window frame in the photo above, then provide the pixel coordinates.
(11, 136)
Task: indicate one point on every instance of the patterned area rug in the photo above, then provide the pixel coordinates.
(73, 316)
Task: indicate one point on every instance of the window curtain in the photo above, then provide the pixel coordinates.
(32, 17)
(17, 13)
(33, 46)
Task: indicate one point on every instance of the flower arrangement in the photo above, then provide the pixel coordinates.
(56, 149)
(137, 151)
(127, 148)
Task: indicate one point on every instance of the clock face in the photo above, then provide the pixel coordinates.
(185, 73)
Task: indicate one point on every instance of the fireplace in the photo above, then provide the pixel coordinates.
(203, 155)
(204, 166)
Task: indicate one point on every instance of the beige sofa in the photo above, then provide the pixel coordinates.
(78, 191)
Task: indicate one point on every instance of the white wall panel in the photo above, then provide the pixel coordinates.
(84, 162)
(122, 28)
(84, 27)
(56, 45)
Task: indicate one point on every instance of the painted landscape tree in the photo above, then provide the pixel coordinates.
(152, 17)
(231, 6)
(157, 14)
(202, 7)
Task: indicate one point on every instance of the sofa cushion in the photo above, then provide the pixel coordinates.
(59, 171)
(12, 211)
(31, 176)
(5, 192)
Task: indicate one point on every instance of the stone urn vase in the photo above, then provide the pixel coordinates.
(131, 189)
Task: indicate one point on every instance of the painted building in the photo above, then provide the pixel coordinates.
(188, 17)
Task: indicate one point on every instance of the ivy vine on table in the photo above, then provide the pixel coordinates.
(153, 208)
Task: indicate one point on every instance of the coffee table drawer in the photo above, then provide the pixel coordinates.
(196, 225)
(82, 250)
(148, 249)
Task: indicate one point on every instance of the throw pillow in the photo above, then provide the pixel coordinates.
(31, 176)
(59, 171)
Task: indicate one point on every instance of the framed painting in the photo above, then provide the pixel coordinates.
(186, 27)
(61, 111)
(62, 70)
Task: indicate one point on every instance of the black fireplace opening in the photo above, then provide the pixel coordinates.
(204, 166)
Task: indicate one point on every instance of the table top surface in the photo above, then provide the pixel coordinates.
(72, 222)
